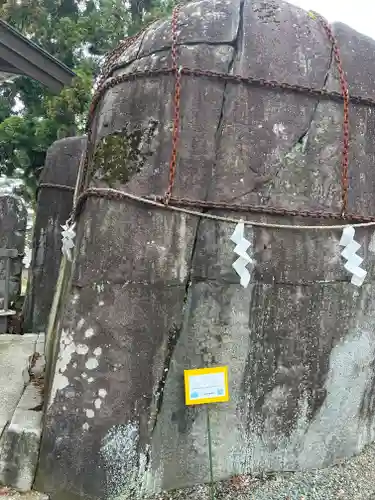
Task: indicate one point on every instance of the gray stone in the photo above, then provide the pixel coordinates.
(20, 410)
(153, 292)
(15, 352)
(19, 443)
(13, 219)
(198, 23)
(53, 209)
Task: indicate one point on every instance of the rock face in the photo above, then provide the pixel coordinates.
(153, 291)
(13, 219)
(54, 206)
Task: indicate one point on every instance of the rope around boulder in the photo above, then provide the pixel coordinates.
(193, 207)
(115, 194)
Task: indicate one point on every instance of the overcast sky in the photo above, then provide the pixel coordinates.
(359, 14)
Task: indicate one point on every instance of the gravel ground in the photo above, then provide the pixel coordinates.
(9, 494)
(353, 479)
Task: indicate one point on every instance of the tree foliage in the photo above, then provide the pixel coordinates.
(78, 33)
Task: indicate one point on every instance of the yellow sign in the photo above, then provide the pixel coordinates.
(206, 385)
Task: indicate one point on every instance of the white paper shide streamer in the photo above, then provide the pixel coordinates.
(68, 234)
(242, 244)
(349, 253)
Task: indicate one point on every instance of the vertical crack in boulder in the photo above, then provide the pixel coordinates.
(175, 332)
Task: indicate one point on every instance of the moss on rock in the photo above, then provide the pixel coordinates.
(122, 154)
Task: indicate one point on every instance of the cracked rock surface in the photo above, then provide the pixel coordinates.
(153, 292)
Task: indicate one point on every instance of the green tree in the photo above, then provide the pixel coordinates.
(78, 33)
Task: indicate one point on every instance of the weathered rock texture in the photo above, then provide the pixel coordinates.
(13, 219)
(54, 207)
(153, 292)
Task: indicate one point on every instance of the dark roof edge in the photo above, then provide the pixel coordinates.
(36, 47)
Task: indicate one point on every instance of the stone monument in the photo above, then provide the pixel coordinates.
(55, 201)
(153, 291)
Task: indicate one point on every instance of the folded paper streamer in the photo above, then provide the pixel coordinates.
(350, 255)
(68, 234)
(242, 244)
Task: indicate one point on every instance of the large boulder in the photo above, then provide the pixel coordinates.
(55, 202)
(153, 291)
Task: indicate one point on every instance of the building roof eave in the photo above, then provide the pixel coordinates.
(19, 55)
